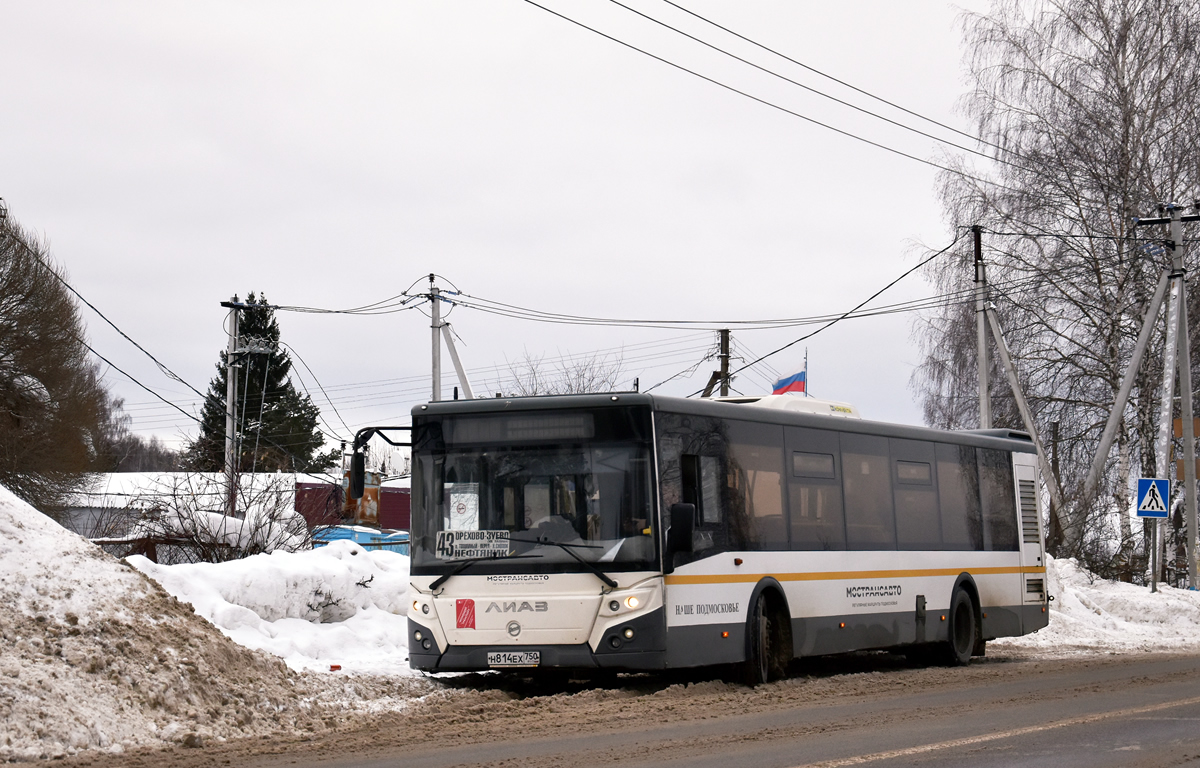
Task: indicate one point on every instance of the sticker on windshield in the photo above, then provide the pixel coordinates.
(457, 545)
(464, 506)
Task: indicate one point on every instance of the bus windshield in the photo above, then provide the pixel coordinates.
(561, 497)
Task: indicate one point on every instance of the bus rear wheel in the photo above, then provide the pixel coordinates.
(963, 630)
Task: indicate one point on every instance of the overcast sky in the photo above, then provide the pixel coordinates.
(332, 154)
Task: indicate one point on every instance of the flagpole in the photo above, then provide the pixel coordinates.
(806, 392)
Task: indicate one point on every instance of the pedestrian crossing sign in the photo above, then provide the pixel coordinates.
(1152, 496)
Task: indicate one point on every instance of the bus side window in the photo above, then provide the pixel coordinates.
(700, 477)
(690, 472)
(815, 490)
(999, 500)
(958, 496)
(867, 479)
(689, 476)
(756, 481)
(914, 487)
(710, 491)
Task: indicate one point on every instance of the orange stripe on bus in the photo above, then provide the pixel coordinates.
(739, 578)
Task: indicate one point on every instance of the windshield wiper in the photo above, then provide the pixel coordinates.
(569, 549)
(544, 540)
(462, 566)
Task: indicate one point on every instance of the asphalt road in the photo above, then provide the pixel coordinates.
(871, 710)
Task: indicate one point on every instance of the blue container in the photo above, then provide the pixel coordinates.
(367, 538)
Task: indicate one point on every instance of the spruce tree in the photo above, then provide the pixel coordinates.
(275, 426)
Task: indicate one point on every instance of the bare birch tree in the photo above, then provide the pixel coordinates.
(1090, 110)
(569, 376)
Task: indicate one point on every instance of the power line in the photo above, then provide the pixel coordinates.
(846, 314)
(767, 377)
(651, 350)
(387, 306)
(751, 353)
(318, 382)
(191, 417)
(798, 84)
(165, 370)
(525, 313)
(964, 294)
(162, 367)
(1073, 236)
(827, 76)
(135, 381)
(685, 372)
(771, 104)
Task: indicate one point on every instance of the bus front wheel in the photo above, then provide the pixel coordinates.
(767, 644)
(963, 630)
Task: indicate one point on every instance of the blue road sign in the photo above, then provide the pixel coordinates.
(1152, 496)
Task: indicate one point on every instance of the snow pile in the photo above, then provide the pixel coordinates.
(1090, 615)
(339, 604)
(344, 605)
(95, 655)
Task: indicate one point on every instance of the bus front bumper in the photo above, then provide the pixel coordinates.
(646, 651)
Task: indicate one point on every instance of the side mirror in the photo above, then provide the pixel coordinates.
(683, 525)
(358, 472)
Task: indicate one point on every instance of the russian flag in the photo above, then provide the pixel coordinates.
(794, 383)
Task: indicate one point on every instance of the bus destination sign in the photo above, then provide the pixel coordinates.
(459, 545)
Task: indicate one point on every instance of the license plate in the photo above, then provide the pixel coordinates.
(514, 658)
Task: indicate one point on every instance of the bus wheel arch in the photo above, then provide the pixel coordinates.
(768, 634)
(965, 629)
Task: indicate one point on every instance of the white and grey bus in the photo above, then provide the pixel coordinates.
(634, 532)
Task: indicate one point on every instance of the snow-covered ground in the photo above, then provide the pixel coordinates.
(95, 655)
(1090, 615)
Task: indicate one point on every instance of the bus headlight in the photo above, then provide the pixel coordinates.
(614, 606)
(632, 602)
(416, 605)
(628, 633)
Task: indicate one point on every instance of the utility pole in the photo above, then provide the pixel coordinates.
(1176, 358)
(435, 302)
(458, 367)
(720, 377)
(981, 353)
(441, 331)
(1010, 370)
(1185, 391)
(1162, 444)
(724, 358)
(231, 406)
